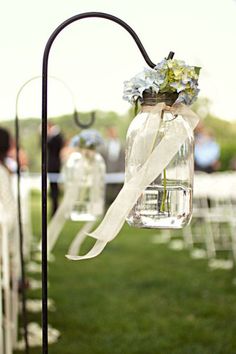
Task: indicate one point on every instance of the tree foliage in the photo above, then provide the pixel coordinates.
(224, 131)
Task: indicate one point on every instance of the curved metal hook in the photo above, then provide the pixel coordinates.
(44, 146)
(19, 208)
(40, 77)
(84, 125)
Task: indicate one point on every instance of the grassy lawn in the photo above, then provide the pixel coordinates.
(138, 298)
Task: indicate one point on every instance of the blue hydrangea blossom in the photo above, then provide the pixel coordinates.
(88, 139)
(168, 76)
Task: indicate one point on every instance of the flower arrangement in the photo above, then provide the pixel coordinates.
(169, 76)
(87, 139)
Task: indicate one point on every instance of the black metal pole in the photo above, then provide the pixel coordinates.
(44, 145)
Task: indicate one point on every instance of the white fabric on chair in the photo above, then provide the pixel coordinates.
(6, 288)
(8, 254)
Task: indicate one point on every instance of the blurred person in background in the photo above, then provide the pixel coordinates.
(11, 161)
(7, 199)
(113, 153)
(55, 143)
(207, 150)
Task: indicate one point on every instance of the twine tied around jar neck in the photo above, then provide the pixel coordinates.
(152, 98)
(88, 153)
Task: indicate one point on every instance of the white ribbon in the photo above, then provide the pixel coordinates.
(80, 237)
(150, 161)
(58, 220)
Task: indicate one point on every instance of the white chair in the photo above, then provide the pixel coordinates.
(214, 217)
(9, 255)
(6, 292)
(199, 232)
(25, 188)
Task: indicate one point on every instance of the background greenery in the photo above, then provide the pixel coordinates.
(224, 131)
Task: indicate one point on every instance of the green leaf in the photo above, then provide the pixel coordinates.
(136, 107)
(197, 69)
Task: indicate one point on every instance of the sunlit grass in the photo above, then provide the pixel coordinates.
(138, 298)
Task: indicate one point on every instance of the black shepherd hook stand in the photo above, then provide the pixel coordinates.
(19, 208)
(44, 144)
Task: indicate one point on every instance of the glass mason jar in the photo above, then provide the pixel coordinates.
(167, 202)
(85, 169)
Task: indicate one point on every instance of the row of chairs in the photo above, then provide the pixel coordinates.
(10, 271)
(213, 225)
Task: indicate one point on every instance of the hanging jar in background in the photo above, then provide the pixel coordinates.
(84, 173)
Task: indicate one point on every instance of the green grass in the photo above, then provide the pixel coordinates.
(138, 298)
